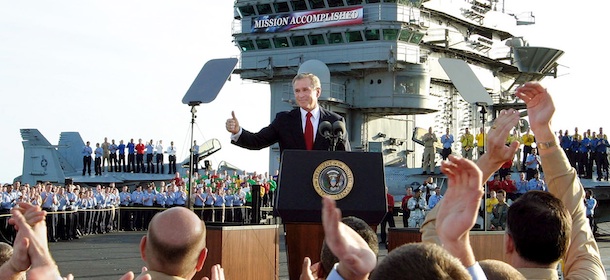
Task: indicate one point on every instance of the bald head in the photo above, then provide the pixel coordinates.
(175, 243)
(6, 251)
(419, 261)
(495, 269)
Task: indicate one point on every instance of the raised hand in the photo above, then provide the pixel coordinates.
(356, 259)
(232, 124)
(497, 152)
(307, 272)
(34, 217)
(458, 212)
(218, 273)
(31, 248)
(540, 109)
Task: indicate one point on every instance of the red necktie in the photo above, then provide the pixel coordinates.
(308, 132)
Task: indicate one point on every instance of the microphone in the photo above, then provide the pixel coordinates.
(339, 129)
(324, 129)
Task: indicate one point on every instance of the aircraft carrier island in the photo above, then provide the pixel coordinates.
(379, 66)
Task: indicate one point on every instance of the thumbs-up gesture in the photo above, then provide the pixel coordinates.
(232, 124)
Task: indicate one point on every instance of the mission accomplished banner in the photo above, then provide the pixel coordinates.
(307, 20)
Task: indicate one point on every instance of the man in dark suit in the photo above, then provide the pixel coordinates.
(289, 129)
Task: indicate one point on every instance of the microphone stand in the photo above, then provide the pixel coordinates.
(333, 135)
(333, 143)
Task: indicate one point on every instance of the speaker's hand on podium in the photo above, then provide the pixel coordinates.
(356, 259)
(232, 124)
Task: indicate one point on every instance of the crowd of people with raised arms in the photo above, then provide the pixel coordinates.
(562, 233)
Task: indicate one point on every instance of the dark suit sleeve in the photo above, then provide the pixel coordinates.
(262, 139)
(285, 130)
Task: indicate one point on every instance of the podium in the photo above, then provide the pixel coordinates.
(246, 252)
(355, 180)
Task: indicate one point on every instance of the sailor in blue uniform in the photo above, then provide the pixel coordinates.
(98, 159)
(136, 199)
(87, 151)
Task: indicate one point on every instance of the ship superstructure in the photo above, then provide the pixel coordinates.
(382, 59)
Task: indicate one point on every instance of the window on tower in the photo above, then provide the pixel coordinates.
(371, 34)
(245, 11)
(280, 42)
(405, 35)
(262, 44)
(335, 38)
(416, 38)
(316, 4)
(264, 9)
(335, 3)
(298, 41)
(246, 45)
(353, 36)
(298, 5)
(316, 39)
(390, 34)
(281, 7)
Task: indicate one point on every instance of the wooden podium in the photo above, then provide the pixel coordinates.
(485, 244)
(354, 179)
(244, 251)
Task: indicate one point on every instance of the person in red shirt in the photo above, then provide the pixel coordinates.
(388, 218)
(505, 168)
(510, 187)
(495, 184)
(140, 148)
(178, 180)
(405, 210)
(214, 176)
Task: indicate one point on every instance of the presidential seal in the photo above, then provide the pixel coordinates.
(333, 178)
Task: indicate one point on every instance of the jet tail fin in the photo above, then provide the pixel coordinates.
(41, 161)
(70, 150)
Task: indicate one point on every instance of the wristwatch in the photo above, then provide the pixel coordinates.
(546, 145)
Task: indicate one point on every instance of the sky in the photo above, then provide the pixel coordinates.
(119, 69)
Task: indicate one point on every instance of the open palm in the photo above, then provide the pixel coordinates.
(539, 103)
(458, 212)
